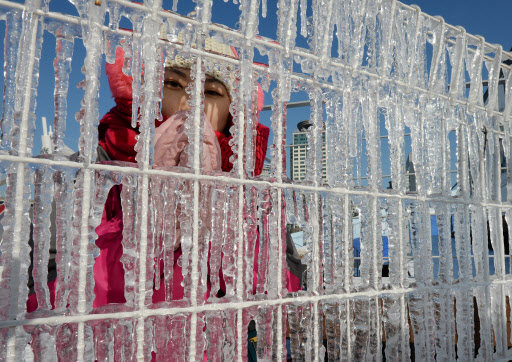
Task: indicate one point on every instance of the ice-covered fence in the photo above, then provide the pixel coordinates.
(371, 69)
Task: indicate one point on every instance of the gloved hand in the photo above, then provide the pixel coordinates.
(171, 141)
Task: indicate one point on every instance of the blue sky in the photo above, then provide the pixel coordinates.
(489, 19)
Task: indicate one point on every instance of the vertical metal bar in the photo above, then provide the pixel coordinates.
(20, 183)
(143, 187)
(84, 242)
(349, 272)
(91, 63)
(205, 18)
(253, 13)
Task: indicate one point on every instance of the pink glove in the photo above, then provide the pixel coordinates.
(171, 139)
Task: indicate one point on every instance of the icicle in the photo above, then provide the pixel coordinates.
(332, 135)
(13, 28)
(229, 349)
(303, 18)
(111, 39)
(463, 241)
(64, 185)
(443, 220)
(145, 236)
(386, 17)
(330, 257)
(27, 80)
(252, 237)
(130, 247)
(357, 38)
(184, 197)
(125, 339)
(397, 243)
(397, 333)
(370, 241)
(219, 211)
(157, 200)
(444, 324)
(14, 268)
(343, 121)
(245, 94)
(273, 272)
(93, 18)
(200, 340)
(147, 334)
(264, 240)
(437, 152)
(421, 314)
(457, 52)
(97, 186)
(151, 90)
(315, 141)
(62, 65)
(264, 321)
(280, 95)
(494, 69)
(230, 243)
(474, 64)
(264, 8)
(194, 115)
(312, 236)
(323, 27)
(205, 241)
(332, 329)
(170, 337)
(464, 320)
(215, 335)
(103, 332)
(42, 208)
(361, 327)
(438, 58)
(347, 330)
(220, 335)
(74, 268)
(301, 336)
(499, 327)
(42, 342)
(136, 66)
(46, 6)
(371, 127)
(409, 62)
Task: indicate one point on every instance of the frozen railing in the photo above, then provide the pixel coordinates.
(368, 68)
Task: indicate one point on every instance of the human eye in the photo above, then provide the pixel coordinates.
(212, 92)
(173, 84)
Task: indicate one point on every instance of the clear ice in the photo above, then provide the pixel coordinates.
(404, 209)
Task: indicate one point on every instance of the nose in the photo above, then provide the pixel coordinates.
(184, 102)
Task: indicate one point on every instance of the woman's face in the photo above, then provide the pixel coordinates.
(216, 98)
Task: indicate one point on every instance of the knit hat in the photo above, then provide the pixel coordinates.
(225, 74)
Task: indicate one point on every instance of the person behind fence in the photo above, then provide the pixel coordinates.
(116, 142)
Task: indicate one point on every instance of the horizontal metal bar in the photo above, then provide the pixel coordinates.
(170, 310)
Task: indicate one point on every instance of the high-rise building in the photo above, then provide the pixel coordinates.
(266, 168)
(298, 152)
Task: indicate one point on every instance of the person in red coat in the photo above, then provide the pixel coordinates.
(117, 139)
